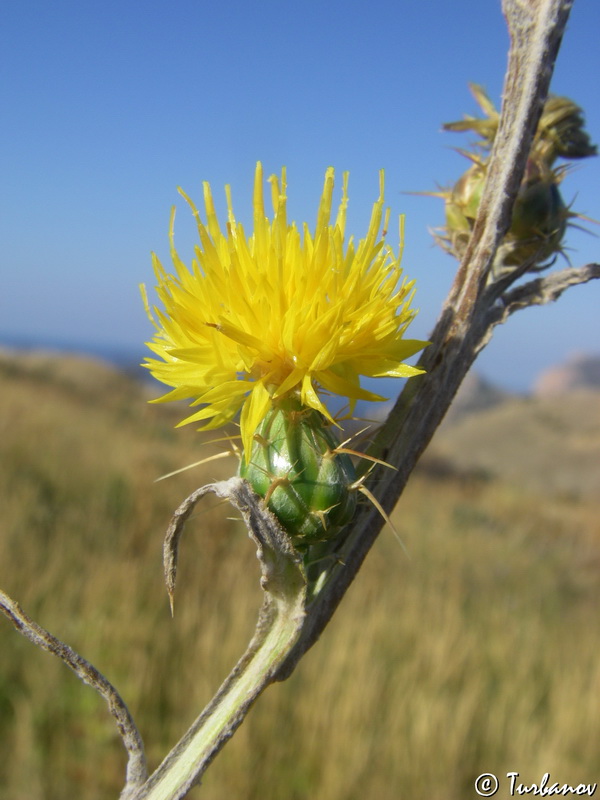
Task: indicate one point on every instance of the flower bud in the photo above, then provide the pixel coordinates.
(295, 467)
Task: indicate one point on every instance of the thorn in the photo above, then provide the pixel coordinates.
(227, 438)
(195, 464)
(370, 496)
(365, 456)
(274, 485)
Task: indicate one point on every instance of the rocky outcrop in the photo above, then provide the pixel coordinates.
(581, 371)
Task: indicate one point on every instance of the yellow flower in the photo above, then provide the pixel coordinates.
(279, 313)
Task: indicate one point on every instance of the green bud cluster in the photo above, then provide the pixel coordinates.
(539, 220)
(296, 467)
(540, 215)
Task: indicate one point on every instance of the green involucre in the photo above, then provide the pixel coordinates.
(295, 466)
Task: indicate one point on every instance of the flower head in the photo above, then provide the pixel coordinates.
(280, 313)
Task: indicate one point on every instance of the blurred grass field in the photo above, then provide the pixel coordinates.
(477, 653)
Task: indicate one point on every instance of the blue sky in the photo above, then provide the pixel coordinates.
(109, 106)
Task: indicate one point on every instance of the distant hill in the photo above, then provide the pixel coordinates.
(84, 375)
(125, 359)
(475, 394)
(581, 371)
(548, 444)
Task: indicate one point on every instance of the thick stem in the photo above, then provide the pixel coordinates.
(186, 763)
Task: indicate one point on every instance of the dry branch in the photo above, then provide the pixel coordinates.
(137, 771)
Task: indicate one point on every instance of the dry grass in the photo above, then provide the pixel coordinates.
(477, 654)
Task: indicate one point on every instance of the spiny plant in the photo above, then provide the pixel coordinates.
(265, 325)
(540, 215)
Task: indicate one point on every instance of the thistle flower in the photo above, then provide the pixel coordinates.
(540, 216)
(266, 324)
(276, 314)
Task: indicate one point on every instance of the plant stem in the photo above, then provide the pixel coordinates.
(279, 625)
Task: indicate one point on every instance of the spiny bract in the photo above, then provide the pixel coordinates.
(296, 467)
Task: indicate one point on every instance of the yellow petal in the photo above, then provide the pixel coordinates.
(255, 408)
